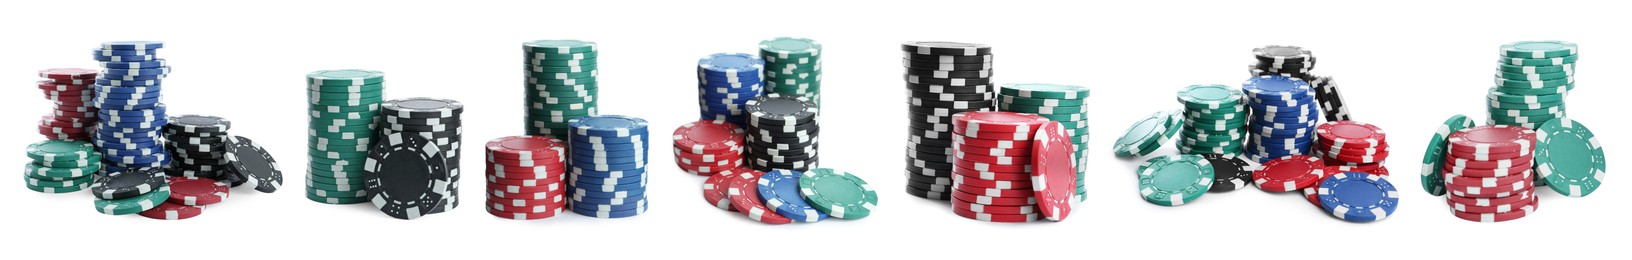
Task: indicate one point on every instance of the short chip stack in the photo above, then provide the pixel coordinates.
(1215, 119)
(933, 100)
(561, 84)
(344, 105)
(992, 166)
(1532, 80)
(130, 110)
(130, 191)
(198, 143)
(437, 120)
(1297, 62)
(73, 115)
(188, 196)
(725, 84)
(783, 132)
(608, 165)
(406, 176)
(1349, 146)
(1283, 117)
(1066, 104)
(61, 166)
(526, 177)
(793, 67)
(709, 147)
(1488, 173)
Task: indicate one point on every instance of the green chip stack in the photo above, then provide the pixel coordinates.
(61, 166)
(560, 84)
(1532, 79)
(345, 105)
(1215, 120)
(793, 66)
(1066, 104)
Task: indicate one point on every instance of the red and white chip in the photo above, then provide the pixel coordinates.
(708, 136)
(744, 194)
(716, 190)
(1289, 173)
(1054, 174)
(1493, 139)
(999, 122)
(172, 211)
(68, 73)
(1350, 134)
(530, 148)
(194, 191)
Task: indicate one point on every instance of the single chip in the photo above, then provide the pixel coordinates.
(407, 176)
(420, 107)
(1279, 56)
(1289, 173)
(136, 204)
(1229, 172)
(708, 136)
(1018, 123)
(1495, 139)
(128, 183)
(1176, 181)
(172, 211)
(60, 150)
(195, 191)
(838, 193)
(716, 190)
(1047, 91)
(526, 147)
(790, 48)
(344, 77)
(946, 48)
(68, 73)
(608, 126)
(1276, 88)
(1433, 160)
(744, 196)
(779, 109)
(1211, 97)
(254, 163)
(1569, 157)
(1358, 197)
(732, 65)
(1054, 174)
(779, 189)
(133, 45)
(559, 46)
(1143, 135)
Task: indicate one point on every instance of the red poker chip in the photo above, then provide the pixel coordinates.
(707, 159)
(1381, 147)
(45, 129)
(997, 160)
(527, 162)
(702, 170)
(1499, 217)
(1008, 218)
(1377, 158)
(53, 122)
(980, 166)
(1000, 122)
(994, 176)
(1488, 173)
(525, 172)
(708, 136)
(995, 201)
(1493, 139)
(528, 147)
(992, 209)
(1489, 164)
(743, 190)
(959, 179)
(995, 192)
(81, 109)
(74, 81)
(1499, 208)
(550, 165)
(1352, 167)
(72, 114)
(1379, 171)
(1289, 173)
(68, 93)
(524, 216)
(528, 195)
(543, 208)
(172, 211)
(1350, 134)
(1491, 201)
(1464, 180)
(1490, 192)
(522, 182)
(513, 204)
(1007, 136)
(992, 151)
(48, 85)
(1487, 157)
(1313, 194)
(1054, 174)
(988, 143)
(68, 73)
(81, 137)
(716, 190)
(194, 191)
(504, 188)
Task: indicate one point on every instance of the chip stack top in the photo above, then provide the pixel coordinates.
(943, 79)
(61, 166)
(436, 120)
(71, 92)
(1532, 80)
(344, 107)
(131, 112)
(198, 144)
(1351, 146)
(1215, 120)
(1066, 104)
(725, 84)
(1283, 117)
(783, 133)
(526, 177)
(1488, 173)
(560, 84)
(793, 67)
(608, 166)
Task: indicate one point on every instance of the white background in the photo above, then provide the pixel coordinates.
(1404, 65)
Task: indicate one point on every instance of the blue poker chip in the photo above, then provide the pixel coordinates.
(133, 77)
(126, 119)
(597, 200)
(627, 205)
(136, 72)
(136, 64)
(613, 159)
(610, 214)
(1282, 103)
(606, 174)
(587, 165)
(133, 133)
(129, 58)
(588, 187)
(1358, 196)
(746, 80)
(133, 160)
(1262, 125)
(129, 83)
(734, 64)
(613, 181)
(138, 149)
(1276, 87)
(730, 88)
(578, 147)
(113, 52)
(157, 110)
(146, 95)
(143, 103)
(136, 126)
(574, 137)
(704, 83)
(607, 126)
(607, 195)
(115, 139)
(729, 98)
(779, 190)
(127, 144)
(132, 45)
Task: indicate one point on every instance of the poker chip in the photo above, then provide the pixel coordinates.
(1289, 173)
(195, 191)
(1332, 103)
(792, 67)
(1214, 116)
(779, 190)
(1054, 178)
(1176, 180)
(1283, 117)
(127, 184)
(253, 163)
(1148, 134)
(1358, 196)
(561, 84)
(1354, 146)
(172, 211)
(716, 189)
(434, 119)
(1229, 172)
(1569, 157)
(782, 133)
(838, 193)
(744, 195)
(1434, 159)
(714, 141)
(135, 204)
(406, 176)
(609, 183)
(324, 133)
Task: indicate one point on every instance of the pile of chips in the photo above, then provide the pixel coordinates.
(1532, 79)
(526, 177)
(1066, 104)
(188, 196)
(1283, 117)
(436, 120)
(199, 145)
(725, 84)
(943, 79)
(608, 165)
(130, 191)
(1488, 173)
(561, 84)
(1215, 117)
(73, 115)
(1011, 167)
(406, 176)
(708, 147)
(793, 67)
(61, 166)
(782, 133)
(130, 112)
(786, 196)
(1149, 134)
(344, 107)
(1352, 146)
(1297, 62)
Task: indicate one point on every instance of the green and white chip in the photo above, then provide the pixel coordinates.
(1569, 157)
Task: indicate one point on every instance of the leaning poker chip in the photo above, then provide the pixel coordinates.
(254, 163)
(1229, 172)
(1144, 134)
(127, 184)
(406, 176)
(744, 196)
(135, 204)
(1358, 197)
(194, 191)
(1569, 157)
(1176, 181)
(779, 190)
(1054, 174)
(1048, 91)
(172, 211)
(838, 193)
(1289, 173)
(1433, 160)
(715, 189)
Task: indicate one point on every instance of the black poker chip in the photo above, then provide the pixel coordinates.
(947, 112)
(926, 118)
(925, 95)
(950, 74)
(930, 157)
(420, 107)
(452, 132)
(1229, 172)
(798, 164)
(785, 128)
(920, 79)
(947, 58)
(929, 186)
(927, 175)
(932, 65)
(928, 164)
(195, 140)
(952, 104)
(198, 124)
(918, 138)
(935, 149)
(253, 163)
(128, 183)
(421, 121)
(179, 172)
(933, 195)
(778, 109)
(447, 127)
(945, 89)
(787, 158)
(1330, 99)
(758, 149)
(1299, 67)
(778, 135)
(406, 176)
(946, 48)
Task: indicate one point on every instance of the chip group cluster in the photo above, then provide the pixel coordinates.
(1297, 62)
(561, 84)
(708, 147)
(1532, 80)
(526, 177)
(1066, 104)
(793, 67)
(130, 191)
(130, 114)
(725, 84)
(608, 167)
(73, 115)
(1341, 191)
(61, 166)
(438, 121)
(198, 143)
(1010, 167)
(1352, 146)
(1283, 118)
(344, 106)
(787, 196)
(1215, 120)
(188, 197)
(1149, 134)
(782, 133)
(933, 100)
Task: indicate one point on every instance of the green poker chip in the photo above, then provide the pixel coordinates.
(348, 102)
(1042, 101)
(61, 150)
(789, 48)
(1433, 159)
(1569, 157)
(1207, 97)
(1533, 76)
(96, 158)
(562, 69)
(559, 46)
(1525, 99)
(1540, 62)
(564, 75)
(1539, 105)
(338, 109)
(1148, 134)
(64, 182)
(1566, 68)
(1176, 180)
(1053, 91)
(364, 95)
(59, 190)
(838, 193)
(337, 200)
(133, 205)
(1539, 49)
(346, 88)
(1043, 109)
(561, 62)
(311, 184)
(1554, 83)
(37, 170)
(347, 77)
(561, 83)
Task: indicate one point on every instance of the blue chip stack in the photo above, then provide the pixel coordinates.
(1284, 116)
(132, 118)
(608, 165)
(725, 84)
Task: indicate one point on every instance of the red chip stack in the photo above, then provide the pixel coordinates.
(188, 196)
(72, 91)
(526, 177)
(1349, 146)
(708, 147)
(992, 168)
(1488, 173)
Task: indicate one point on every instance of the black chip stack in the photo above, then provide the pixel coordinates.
(782, 132)
(436, 120)
(198, 144)
(939, 71)
(1297, 62)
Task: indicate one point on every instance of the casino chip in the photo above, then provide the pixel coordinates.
(1176, 180)
(194, 191)
(783, 133)
(1478, 172)
(1358, 196)
(1054, 174)
(135, 204)
(1331, 99)
(1433, 160)
(128, 183)
(726, 82)
(744, 195)
(437, 120)
(340, 134)
(1531, 92)
(1229, 172)
(1283, 117)
(561, 84)
(1006, 176)
(198, 143)
(838, 193)
(61, 166)
(1288, 61)
(793, 67)
(930, 133)
(708, 147)
(253, 163)
(1289, 173)
(1148, 134)
(779, 190)
(406, 176)
(1569, 157)
(1352, 144)
(1033, 98)
(528, 172)
(1214, 120)
(129, 112)
(608, 166)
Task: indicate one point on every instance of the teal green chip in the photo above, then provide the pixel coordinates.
(1210, 97)
(1525, 99)
(1538, 105)
(1433, 159)
(337, 200)
(1143, 136)
(1540, 62)
(334, 187)
(96, 158)
(563, 88)
(1539, 49)
(1510, 83)
(348, 102)
(790, 48)
(57, 182)
(133, 205)
(348, 77)
(564, 75)
(1043, 109)
(1533, 76)
(1176, 181)
(343, 95)
(560, 62)
(335, 154)
(1035, 90)
(838, 193)
(344, 115)
(60, 150)
(370, 107)
(562, 69)
(59, 190)
(1570, 157)
(1041, 101)
(559, 46)
(1566, 68)
(1536, 91)
(347, 88)
(563, 84)
(37, 170)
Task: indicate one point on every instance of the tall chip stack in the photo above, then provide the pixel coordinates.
(1216, 120)
(1297, 62)
(1532, 80)
(793, 67)
(608, 166)
(1066, 104)
(436, 120)
(1488, 173)
(560, 84)
(130, 110)
(992, 166)
(198, 144)
(725, 84)
(783, 133)
(344, 105)
(61, 166)
(1283, 118)
(526, 177)
(941, 71)
(71, 91)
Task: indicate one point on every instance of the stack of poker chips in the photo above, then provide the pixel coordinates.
(526, 177)
(1532, 80)
(130, 112)
(1348, 146)
(1066, 104)
(709, 147)
(130, 191)
(344, 107)
(74, 114)
(1215, 120)
(992, 167)
(198, 144)
(608, 165)
(1297, 62)
(725, 83)
(783, 133)
(188, 196)
(793, 67)
(1283, 117)
(929, 150)
(1488, 173)
(436, 120)
(560, 84)
(61, 166)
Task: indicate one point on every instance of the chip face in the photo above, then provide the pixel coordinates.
(406, 176)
